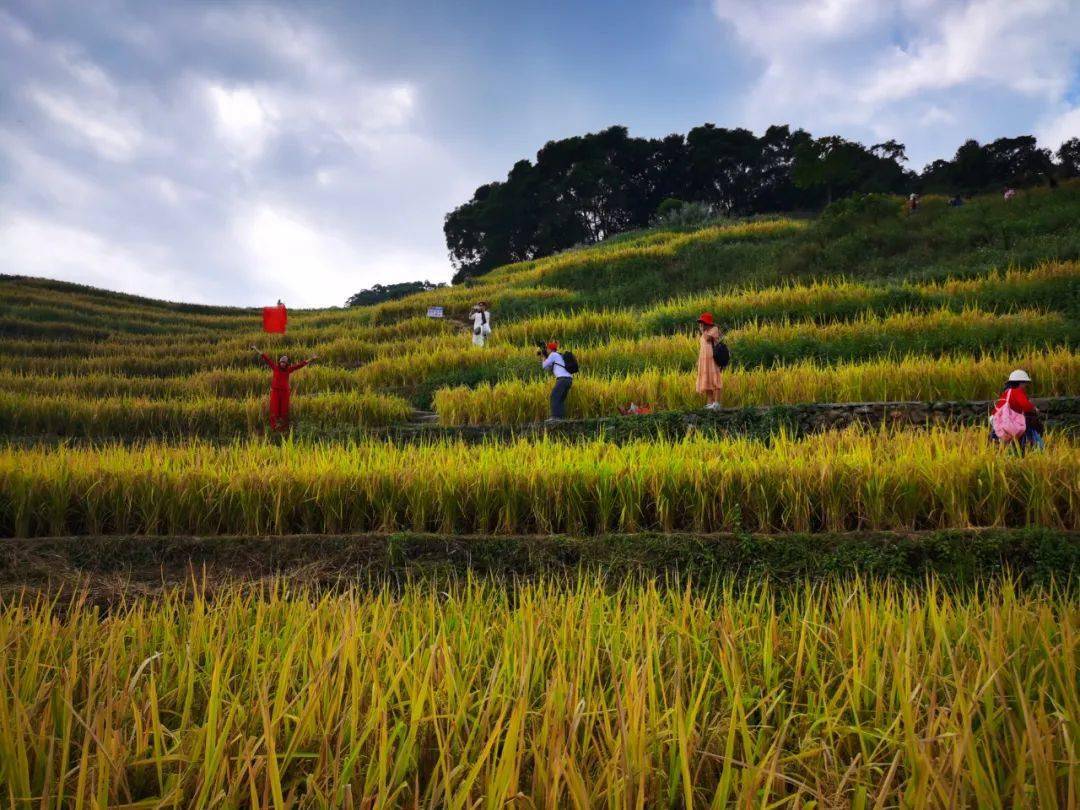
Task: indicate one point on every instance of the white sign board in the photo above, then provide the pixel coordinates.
(435, 312)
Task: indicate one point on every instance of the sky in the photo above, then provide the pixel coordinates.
(242, 152)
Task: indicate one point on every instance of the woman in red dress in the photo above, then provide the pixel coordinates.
(279, 387)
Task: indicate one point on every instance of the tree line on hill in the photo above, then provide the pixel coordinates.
(583, 189)
(389, 292)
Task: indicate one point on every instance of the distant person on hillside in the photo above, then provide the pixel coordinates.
(956, 201)
(481, 323)
(1015, 418)
(279, 386)
(554, 361)
(712, 360)
(912, 203)
(1009, 193)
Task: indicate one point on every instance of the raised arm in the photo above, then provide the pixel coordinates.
(263, 357)
(302, 363)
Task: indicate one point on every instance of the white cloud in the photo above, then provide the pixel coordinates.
(867, 66)
(48, 178)
(243, 119)
(1015, 45)
(1059, 128)
(935, 115)
(292, 255)
(308, 265)
(241, 147)
(106, 132)
(38, 247)
(386, 107)
(14, 30)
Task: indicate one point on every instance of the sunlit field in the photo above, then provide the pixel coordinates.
(835, 481)
(470, 654)
(553, 694)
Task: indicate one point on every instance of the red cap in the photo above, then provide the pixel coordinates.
(706, 318)
(553, 346)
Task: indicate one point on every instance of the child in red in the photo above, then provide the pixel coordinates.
(279, 387)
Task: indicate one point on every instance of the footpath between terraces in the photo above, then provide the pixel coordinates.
(1061, 414)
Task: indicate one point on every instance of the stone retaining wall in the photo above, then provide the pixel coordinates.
(1059, 413)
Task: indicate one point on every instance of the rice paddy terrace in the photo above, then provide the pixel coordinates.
(684, 609)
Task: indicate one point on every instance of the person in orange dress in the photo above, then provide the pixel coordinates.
(710, 380)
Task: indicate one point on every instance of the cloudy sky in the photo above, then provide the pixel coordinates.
(240, 152)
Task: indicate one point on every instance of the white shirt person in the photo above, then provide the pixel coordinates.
(481, 324)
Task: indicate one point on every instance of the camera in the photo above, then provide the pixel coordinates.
(541, 349)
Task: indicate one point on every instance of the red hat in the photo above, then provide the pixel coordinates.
(553, 346)
(706, 318)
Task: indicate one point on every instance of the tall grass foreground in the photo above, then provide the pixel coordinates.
(552, 695)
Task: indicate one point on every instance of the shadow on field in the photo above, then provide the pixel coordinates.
(113, 569)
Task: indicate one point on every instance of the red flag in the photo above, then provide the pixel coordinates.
(274, 319)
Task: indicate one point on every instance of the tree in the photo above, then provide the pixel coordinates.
(579, 190)
(1068, 155)
(389, 292)
(980, 167)
(583, 189)
(842, 167)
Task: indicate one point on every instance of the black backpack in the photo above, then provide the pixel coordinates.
(720, 354)
(570, 362)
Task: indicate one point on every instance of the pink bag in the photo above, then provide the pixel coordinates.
(1008, 424)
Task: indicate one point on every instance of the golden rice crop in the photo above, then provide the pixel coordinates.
(565, 695)
(971, 332)
(457, 301)
(584, 326)
(836, 481)
(1056, 373)
(77, 415)
(29, 291)
(406, 362)
(189, 357)
(1047, 285)
(359, 343)
(218, 382)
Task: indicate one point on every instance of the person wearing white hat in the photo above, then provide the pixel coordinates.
(1015, 417)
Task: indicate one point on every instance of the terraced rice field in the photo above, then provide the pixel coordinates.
(822, 341)
(836, 481)
(708, 685)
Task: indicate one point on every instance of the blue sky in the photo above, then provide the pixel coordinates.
(239, 152)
